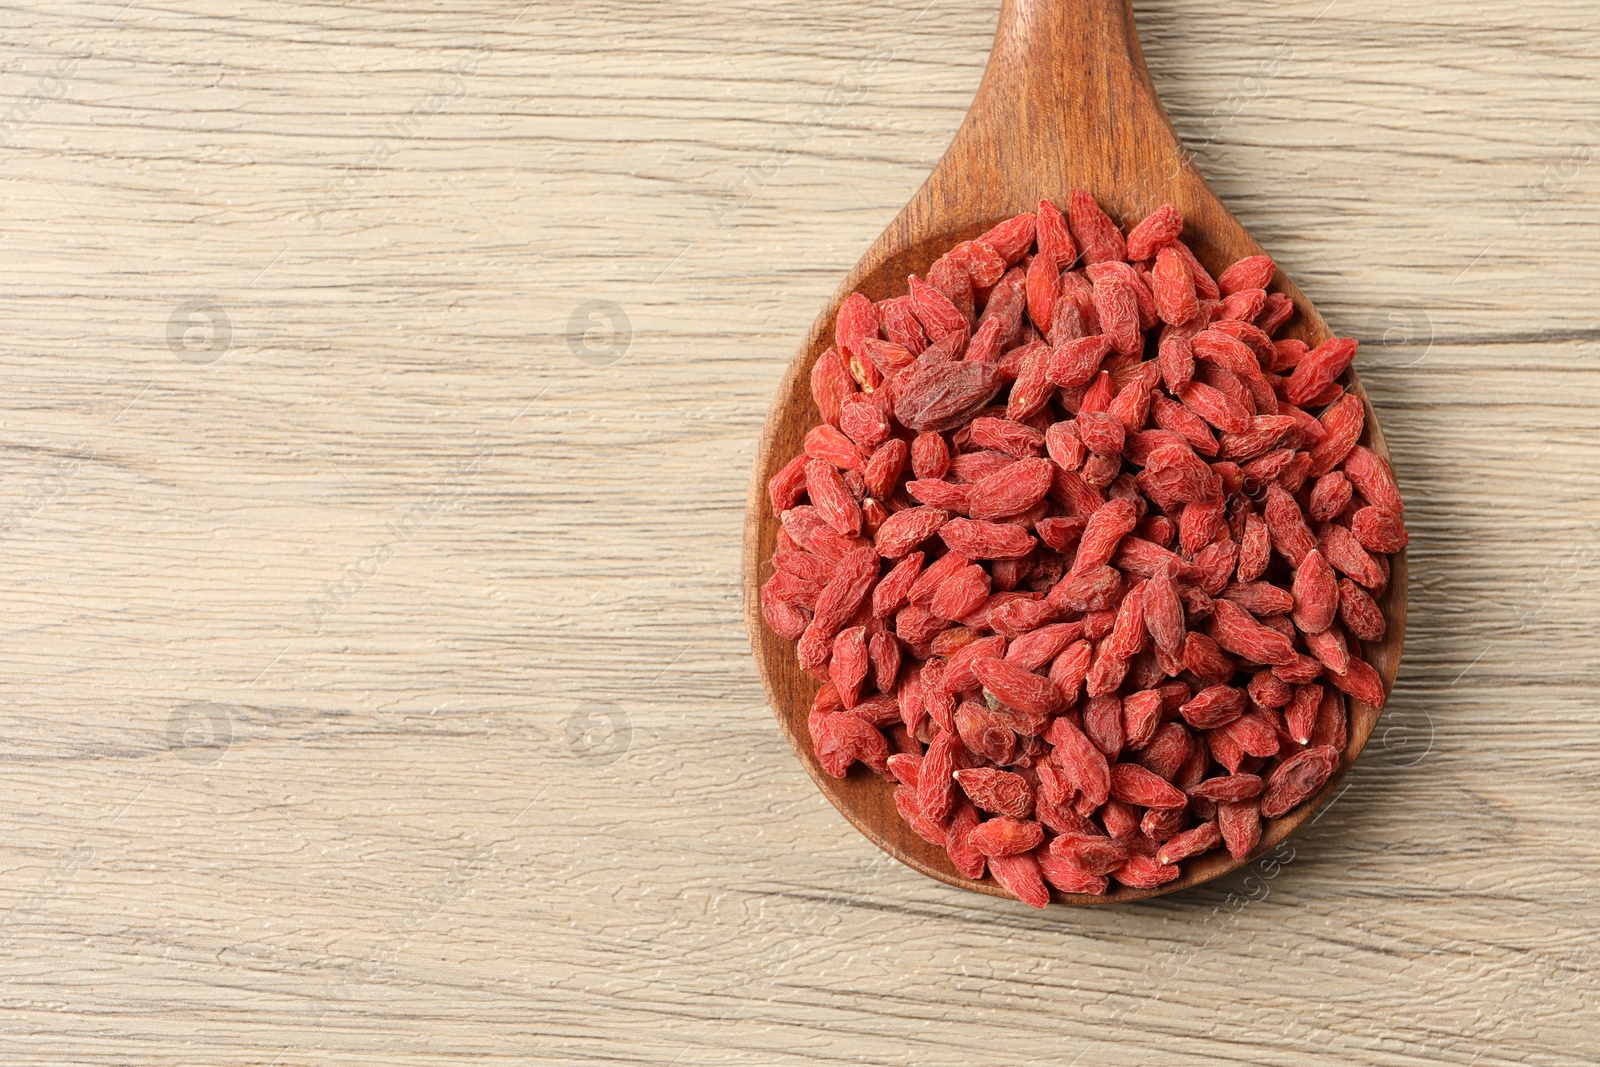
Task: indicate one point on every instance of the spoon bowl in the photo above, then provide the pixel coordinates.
(1066, 102)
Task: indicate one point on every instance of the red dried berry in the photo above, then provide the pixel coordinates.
(1319, 369)
(936, 786)
(1099, 239)
(1213, 706)
(1145, 872)
(1161, 226)
(1371, 476)
(930, 456)
(1021, 877)
(1340, 548)
(1255, 549)
(1286, 526)
(864, 423)
(1054, 237)
(943, 396)
(1106, 528)
(1301, 715)
(1361, 682)
(830, 384)
(1076, 362)
(1252, 272)
(1005, 836)
(1341, 426)
(786, 488)
(1228, 788)
(844, 739)
(856, 321)
(1379, 529)
(1069, 879)
(1202, 838)
(996, 791)
(848, 667)
(1016, 688)
(1316, 594)
(1240, 824)
(885, 467)
(1011, 238)
(1089, 853)
(1216, 407)
(1132, 784)
(831, 498)
(905, 530)
(1117, 305)
(1359, 612)
(961, 593)
(1141, 714)
(1238, 632)
(1295, 779)
(1329, 497)
(1011, 490)
(977, 539)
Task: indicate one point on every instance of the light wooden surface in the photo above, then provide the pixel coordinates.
(375, 689)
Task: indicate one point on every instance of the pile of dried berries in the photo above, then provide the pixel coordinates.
(1095, 612)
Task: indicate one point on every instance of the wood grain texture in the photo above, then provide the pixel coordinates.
(1065, 103)
(420, 833)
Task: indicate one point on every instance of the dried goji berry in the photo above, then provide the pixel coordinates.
(1295, 779)
(1022, 878)
(996, 791)
(1099, 239)
(1075, 509)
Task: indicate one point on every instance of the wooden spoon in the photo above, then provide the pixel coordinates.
(1066, 102)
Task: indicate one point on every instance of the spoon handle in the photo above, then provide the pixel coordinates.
(1067, 101)
(1069, 43)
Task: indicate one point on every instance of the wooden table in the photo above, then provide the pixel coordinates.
(381, 389)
